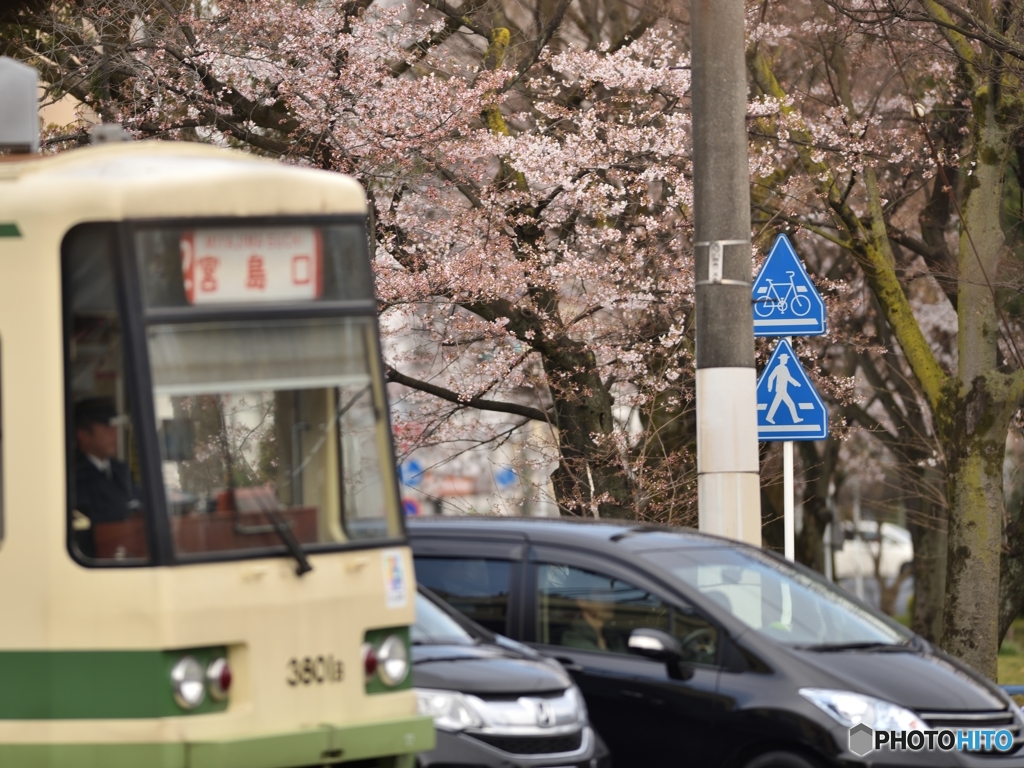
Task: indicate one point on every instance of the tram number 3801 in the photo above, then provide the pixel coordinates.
(315, 669)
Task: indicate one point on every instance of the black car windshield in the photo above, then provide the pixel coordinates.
(435, 627)
(777, 600)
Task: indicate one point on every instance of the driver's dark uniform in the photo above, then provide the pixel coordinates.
(102, 497)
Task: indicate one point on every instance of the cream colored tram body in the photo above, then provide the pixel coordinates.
(213, 313)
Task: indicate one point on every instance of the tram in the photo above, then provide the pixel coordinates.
(201, 549)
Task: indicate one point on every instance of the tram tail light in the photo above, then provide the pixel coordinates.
(369, 660)
(218, 678)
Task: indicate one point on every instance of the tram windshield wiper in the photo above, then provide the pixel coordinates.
(283, 530)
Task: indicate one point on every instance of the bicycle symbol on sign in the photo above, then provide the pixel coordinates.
(769, 299)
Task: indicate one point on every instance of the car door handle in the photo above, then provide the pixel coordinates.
(569, 664)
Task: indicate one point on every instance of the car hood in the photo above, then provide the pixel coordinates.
(484, 670)
(921, 680)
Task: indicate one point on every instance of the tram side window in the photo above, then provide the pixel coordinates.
(106, 522)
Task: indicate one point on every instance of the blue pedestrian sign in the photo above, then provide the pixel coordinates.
(505, 477)
(410, 473)
(786, 303)
(788, 405)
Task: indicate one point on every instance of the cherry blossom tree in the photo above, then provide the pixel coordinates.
(529, 194)
(904, 139)
(527, 167)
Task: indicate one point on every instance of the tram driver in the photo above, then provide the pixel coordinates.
(104, 488)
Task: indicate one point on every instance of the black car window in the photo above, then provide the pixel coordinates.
(594, 611)
(775, 599)
(474, 586)
(435, 627)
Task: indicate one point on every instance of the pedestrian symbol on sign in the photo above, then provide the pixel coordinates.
(780, 378)
(788, 406)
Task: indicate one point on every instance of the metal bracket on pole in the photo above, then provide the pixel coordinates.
(716, 258)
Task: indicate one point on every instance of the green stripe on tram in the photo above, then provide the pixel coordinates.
(314, 746)
(85, 685)
(9, 229)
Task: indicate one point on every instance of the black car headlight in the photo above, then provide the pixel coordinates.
(849, 709)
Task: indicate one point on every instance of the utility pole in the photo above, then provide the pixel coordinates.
(19, 113)
(728, 481)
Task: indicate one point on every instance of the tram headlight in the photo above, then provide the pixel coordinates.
(393, 661)
(218, 678)
(188, 682)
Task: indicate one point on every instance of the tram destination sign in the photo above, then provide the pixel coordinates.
(230, 266)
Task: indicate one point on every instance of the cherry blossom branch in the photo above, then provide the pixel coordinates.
(456, 15)
(882, 393)
(869, 245)
(452, 24)
(856, 413)
(988, 35)
(542, 40)
(479, 403)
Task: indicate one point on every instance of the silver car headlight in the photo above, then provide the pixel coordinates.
(849, 709)
(574, 695)
(451, 710)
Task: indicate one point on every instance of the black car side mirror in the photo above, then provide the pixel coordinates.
(660, 646)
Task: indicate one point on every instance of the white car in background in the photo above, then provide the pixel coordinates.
(860, 548)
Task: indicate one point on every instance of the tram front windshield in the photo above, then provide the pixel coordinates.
(263, 417)
(264, 388)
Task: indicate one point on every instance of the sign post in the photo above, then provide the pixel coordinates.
(788, 512)
(787, 304)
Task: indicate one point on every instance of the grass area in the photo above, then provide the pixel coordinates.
(1011, 655)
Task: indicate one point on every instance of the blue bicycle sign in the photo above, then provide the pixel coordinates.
(769, 301)
(786, 303)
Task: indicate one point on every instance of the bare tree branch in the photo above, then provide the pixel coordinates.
(474, 402)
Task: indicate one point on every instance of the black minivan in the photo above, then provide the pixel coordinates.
(700, 651)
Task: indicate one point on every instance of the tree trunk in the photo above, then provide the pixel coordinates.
(888, 591)
(1011, 579)
(971, 618)
(773, 532)
(591, 479)
(927, 523)
(929, 580)
(975, 419)
(810, 544)
(817, 471)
